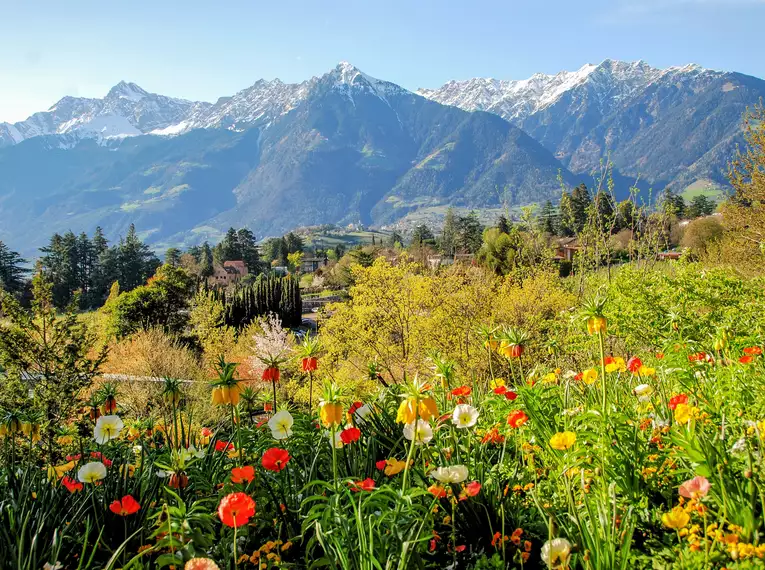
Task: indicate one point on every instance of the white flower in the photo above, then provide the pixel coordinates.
(49, 566)
(556, 552)
(452, 474)
(91, 472)
(643, 392)
(738, 447)
(421, 432)
(338, 440)
(194, 452)
(281, 425)
(137, 449)
(107, 428)
(362, 412)
(465, 416)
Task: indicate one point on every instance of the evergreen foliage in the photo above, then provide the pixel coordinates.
(266, 295)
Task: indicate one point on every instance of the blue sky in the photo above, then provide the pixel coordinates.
(204, 50)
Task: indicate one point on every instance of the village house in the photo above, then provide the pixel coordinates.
(566, 249)
(229, 272)
(311, 264)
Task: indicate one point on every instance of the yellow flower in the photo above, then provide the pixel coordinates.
(563, 440)
(64, 439)
(394, 467)
(685, 413)
(407, 413)
(676, 519)
(550, 378)
(596, 324)
(496, 383)
(646, 371)
(590, 376)
(616, 364)
(57, 472)
(331, 414)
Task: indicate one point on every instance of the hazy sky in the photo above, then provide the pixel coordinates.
(204, 50)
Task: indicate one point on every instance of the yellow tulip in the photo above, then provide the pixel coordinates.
(590, 376)
(676, 519)
(331, 414)
(563, 440)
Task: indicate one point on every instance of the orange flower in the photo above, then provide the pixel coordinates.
(470, 490)
(127, 506)
(517, 418)
(634, 364)
(271, 374)
(367, 484)
(462, 391)
(350, 435)
(200, 564)
(746, 359)
(275, 459)
(242, 474)
(438, 491)
(236, 509)
(753, 350)
(675, 400)
(309, 364)
(72, 485)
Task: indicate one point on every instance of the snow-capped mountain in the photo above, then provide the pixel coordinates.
(127, 110)
(615, 83)
(669, 126)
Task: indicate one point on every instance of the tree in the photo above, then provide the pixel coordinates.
(449, 233)
(11, 270)
(548, 218)
(700, 206)
(673, 204)
(395, 239)
(293, 260)
(503, 224)
(423, 236)
(700, 234)
(470, 233)
(249, 249)
(136, 261)
(206, 260)
(55, 356)
(162, 302)
(173, 256)
(745, 211)
(294, 243)
(580, 203)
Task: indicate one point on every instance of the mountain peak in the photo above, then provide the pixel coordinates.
(126, 90)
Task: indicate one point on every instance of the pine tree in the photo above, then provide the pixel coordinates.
(503, 224)
(548, 219)
(449, 233)
(470, 234)
(580, 202)
(173, 256)
(12, 270)
(423, 236)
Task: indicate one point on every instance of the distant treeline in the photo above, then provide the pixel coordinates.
(277, 295)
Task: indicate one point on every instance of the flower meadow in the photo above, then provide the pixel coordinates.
(648, 460)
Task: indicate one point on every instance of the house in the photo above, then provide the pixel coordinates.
(669, 255)
(229, 272)
(566, 248)
(311, 264)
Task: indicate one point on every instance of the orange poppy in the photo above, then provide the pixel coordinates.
(753, 350)
(349, 435)
(127, 506)
(634, 364)
(242, 474)
(462, 391)
(746, 359)
(236, 509)
(72, 485)
(517, 418)
(367, 484)
(275, 459)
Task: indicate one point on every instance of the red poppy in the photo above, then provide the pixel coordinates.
(275, 459)
(499, 390)
(354, 406)
(462, 391)
(517, 418)
(242, 474)
(101, 458)
(367, 484)
(75, 457)
(746, 359)
(236, 509)
(432, 546)
(493, 436)
(438, 491)
(753, 350)
(261, 423)
(382, 464)
(71, 484)
(579, 376)
(608, 360)
(510, 395)
(221, 445)
(674, 401)
(460, 548)
(268, 407)
(271, 374)
(472, 489)
(349, 435)
(660, 355)
(309, 364)
(127, 506)
(634, 364)
(698, 357)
